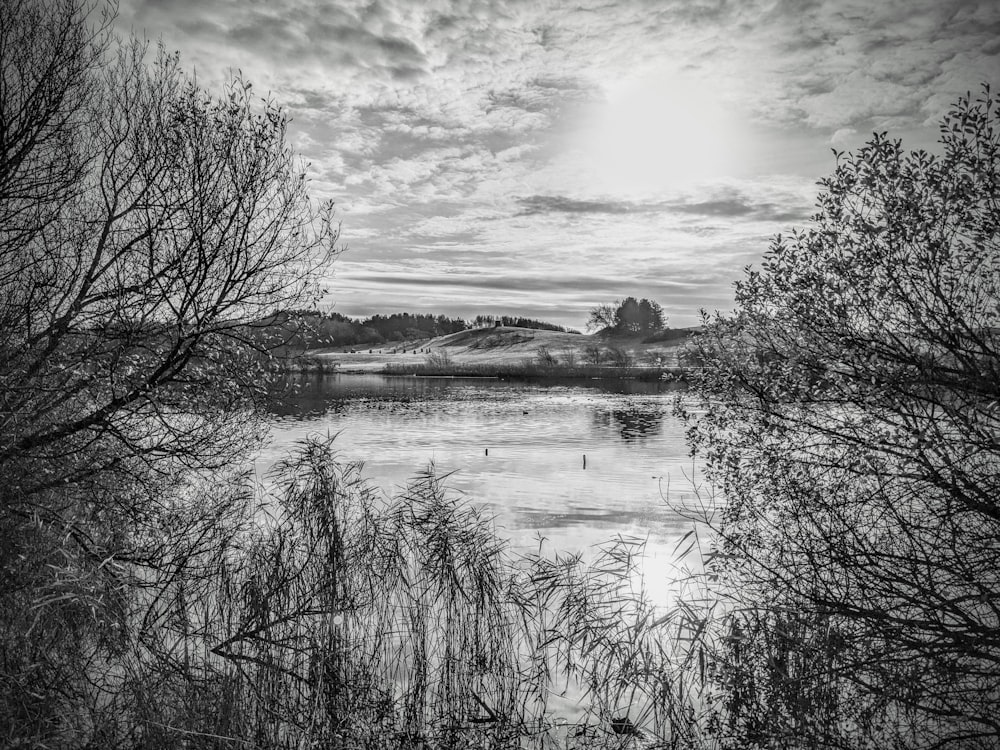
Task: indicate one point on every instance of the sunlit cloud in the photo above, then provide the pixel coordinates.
(557, 154)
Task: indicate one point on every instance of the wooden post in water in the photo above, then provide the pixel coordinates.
(585, 461)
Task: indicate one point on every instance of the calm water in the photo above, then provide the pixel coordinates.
(517, 448)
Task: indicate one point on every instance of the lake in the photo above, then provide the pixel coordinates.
(576, 463)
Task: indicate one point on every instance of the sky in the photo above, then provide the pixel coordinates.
(541, 157)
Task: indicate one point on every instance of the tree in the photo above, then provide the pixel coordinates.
(145, 227)
(593, 354)
(628, 317)
(602, 317)
(651, 316)
(851, 412)
(172, 219)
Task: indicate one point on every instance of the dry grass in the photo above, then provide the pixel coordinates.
(498, 350)
(342, 619)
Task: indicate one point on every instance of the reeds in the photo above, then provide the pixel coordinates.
(339, 618)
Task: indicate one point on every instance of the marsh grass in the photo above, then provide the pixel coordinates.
(439, 358)
(340, 618)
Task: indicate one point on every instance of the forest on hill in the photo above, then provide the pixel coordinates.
(301, 330)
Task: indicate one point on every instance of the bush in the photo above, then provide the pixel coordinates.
(438, 359)
(849, 412)
(146, 227)
(545, 357)
(620, 357)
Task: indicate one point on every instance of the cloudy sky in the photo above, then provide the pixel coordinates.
(543, 156)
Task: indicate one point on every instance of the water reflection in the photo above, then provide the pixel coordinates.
(515, 448)
(311, 394)
(632, 424)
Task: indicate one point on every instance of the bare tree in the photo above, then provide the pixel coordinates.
(593, 354)
(602, 317)
(146, 225)
(183, 218)
(545, 357)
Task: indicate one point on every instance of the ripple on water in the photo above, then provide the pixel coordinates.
(533, 478)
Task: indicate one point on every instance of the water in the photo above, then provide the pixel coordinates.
(517, 448)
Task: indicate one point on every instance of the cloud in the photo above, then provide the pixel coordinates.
(719, 203)
(741, 207)
(541, 94)
(448, 130)
(578, 283)
(842, 135)
(547, 204)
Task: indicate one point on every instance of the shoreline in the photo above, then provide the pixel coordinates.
(497, 371)
(508, 352)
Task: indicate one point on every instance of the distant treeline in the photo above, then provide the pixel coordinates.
(297, 329)
(483, 321)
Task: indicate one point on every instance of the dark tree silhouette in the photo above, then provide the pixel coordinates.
(851, 407)
(628, 317)
(145, 225)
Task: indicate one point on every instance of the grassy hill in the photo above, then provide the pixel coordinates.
(506, 349)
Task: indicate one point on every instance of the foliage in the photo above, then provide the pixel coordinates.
(673, 335)
(296, 331)
(628, 317)
(439, 358)
(354, 621)
(144, 225)
(179, 218)
(488, 321)
(546, 357)
(620, 357)
(324, 614)
(849, 414)
(401, 326)
(593, 354)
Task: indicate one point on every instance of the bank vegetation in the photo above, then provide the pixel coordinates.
(153, 596)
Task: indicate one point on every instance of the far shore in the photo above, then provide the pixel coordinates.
(509, 352)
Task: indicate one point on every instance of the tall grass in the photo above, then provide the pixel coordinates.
(332, 616)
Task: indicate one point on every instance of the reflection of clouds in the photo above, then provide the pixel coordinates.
(531, 480)
(613, 520)
(447, 121)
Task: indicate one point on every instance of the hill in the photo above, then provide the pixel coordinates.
(507, 346)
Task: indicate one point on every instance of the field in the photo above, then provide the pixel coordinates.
(506, 350)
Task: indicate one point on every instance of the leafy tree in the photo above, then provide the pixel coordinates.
(401, 326)
(145, 225)
(628, 317)
(651, 316)
(483, 321)
(850, 408)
